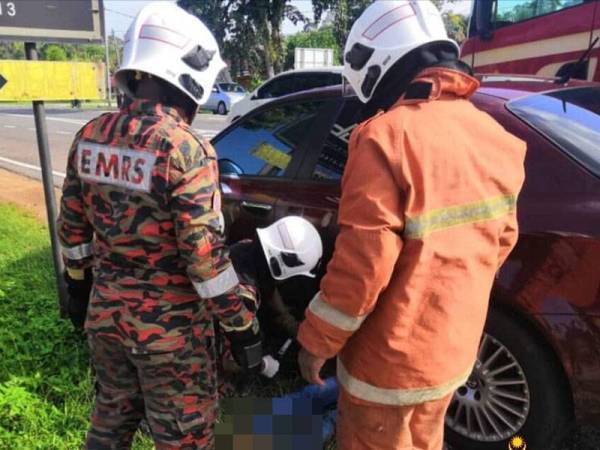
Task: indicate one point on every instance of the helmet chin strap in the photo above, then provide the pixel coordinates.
(397, 79)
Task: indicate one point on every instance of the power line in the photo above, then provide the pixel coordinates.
(119, 13)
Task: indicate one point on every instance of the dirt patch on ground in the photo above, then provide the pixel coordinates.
(25, 192)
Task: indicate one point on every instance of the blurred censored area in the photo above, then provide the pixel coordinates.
(269, 424)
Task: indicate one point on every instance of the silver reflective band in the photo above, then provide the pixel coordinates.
(397, 397)
(218, 285)
(444, 218)
(333, 316)
(78, 252)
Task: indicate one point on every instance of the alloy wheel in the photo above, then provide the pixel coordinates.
(494, 402)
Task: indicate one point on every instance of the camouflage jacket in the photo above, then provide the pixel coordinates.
(141, 203)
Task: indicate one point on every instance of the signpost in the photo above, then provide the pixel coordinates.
(78, 21)
(51, 20)
(50, 80)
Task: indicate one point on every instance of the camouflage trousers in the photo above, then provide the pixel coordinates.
(175, 391)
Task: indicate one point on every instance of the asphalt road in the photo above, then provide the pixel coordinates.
(19, 153)
(18, 141)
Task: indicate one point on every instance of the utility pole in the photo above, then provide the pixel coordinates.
(106, 53)
(39, 115)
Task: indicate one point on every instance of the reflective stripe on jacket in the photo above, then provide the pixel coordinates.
(427, 216)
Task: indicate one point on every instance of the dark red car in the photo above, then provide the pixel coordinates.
(539, 359)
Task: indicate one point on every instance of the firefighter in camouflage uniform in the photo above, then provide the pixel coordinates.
(141, 227)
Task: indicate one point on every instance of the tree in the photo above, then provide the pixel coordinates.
(12, 50)
(456, 25)
(54, 52)
(215, 14)
(249, 31)
(323, 37)
(345, 13)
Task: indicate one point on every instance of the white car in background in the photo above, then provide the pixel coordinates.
(223, 97)
(287, 83)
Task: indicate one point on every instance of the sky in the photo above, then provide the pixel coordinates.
(120, 13)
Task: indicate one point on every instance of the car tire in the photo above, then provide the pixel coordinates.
(221, 109)
(549, 407)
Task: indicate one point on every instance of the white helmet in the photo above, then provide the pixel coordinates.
(385, 32)
(292, 246)
(167, 42)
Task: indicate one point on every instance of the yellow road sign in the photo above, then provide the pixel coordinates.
(50, 80)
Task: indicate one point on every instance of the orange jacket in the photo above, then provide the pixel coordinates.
(427, 216)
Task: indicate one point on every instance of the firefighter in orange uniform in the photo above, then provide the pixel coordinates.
(427, 216)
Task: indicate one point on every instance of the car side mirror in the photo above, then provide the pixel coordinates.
(483, 18)
(228, 167)
(254, 97)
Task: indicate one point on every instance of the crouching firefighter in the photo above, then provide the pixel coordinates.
(427, 216)
(141, 209)
(290, 247)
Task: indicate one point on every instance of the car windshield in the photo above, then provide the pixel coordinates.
(231, 87)
(570, 118)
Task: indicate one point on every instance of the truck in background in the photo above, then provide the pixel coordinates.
(534, 37)
(312, 58)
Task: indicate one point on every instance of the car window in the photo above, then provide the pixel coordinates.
(332, 158)
(333, 79)
(265, 90)
(570, 118)
(316, 80)
(277, 87)
(512, 11)
(264, 144)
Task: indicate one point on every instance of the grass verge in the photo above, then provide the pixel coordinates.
(46, 391)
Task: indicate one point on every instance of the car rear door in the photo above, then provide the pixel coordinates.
(258, 157)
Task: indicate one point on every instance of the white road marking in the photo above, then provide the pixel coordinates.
(212, 117)
(31, 129)
(73, 121)
(64, 132)
(10, 126)
(205, 132)
(29, 166)
(56, 119)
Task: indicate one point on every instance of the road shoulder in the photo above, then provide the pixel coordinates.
(24, 192)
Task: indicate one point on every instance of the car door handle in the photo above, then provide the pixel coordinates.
(261, 207)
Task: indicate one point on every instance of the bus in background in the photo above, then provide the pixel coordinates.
(534, 37)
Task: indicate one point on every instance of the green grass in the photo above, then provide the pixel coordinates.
(46, 391)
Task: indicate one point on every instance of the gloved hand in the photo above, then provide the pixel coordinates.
(79, 297)
(246, 347)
